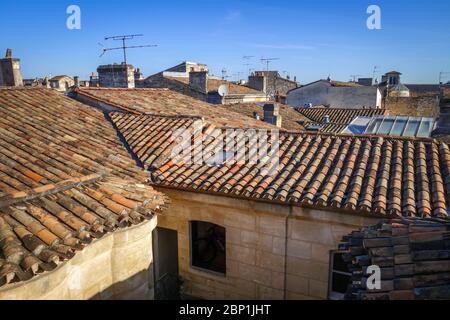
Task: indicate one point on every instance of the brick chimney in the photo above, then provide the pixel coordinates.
(198, 81)
(272, 114)
(10, 75)
(76, 81)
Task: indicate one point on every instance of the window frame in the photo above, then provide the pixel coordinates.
(191, 252)
(334, 295)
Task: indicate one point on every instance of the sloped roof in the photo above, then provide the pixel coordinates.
(47, 225)
(413, 256)
(356, 174)
(65, 179)
(337, 115)
(171, 103)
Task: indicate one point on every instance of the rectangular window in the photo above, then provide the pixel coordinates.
(208, 247)
(340, 276)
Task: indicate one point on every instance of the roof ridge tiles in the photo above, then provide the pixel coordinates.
(49, 189)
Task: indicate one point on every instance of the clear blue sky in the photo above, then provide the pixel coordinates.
(311, 38)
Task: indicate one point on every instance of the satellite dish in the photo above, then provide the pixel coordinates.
(223, 90)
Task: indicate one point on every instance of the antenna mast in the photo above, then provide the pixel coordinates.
(267, 61)
(124, 47)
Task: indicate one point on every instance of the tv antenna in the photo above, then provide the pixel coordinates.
(224, 74)
(375, 71)
(124, 47)
(268, 61)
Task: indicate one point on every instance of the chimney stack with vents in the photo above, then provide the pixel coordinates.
(326, 119)
(10, 75)
(76, 81)
(272, 114)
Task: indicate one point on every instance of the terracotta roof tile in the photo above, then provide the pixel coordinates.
(380, 176)
(411, 253)
(55, 154)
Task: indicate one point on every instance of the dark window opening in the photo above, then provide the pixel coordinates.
(208, 244)
(340, 276)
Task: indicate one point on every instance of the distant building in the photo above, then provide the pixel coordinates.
(271, 83)
(335, 94)
(193, 79)
(365, 82)
(116, 76)
(10, 75)
(61, 83)
(417, 100)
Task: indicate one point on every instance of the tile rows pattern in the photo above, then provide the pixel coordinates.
(360, 174)
(339, 116)
(43, 227)
(65, 179)
(413, 256)
(172, 103)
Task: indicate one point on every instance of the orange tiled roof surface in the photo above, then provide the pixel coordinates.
(411, 253)
(43, 227)
(339, 116)
(359, 174)
(64, 179)
(172, 103)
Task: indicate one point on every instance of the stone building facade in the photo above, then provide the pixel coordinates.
(273, 251)
(271, 83)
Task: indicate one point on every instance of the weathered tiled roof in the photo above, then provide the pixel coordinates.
(359, 174)
(65, 179)
(46, 137)
(43, 227)
(413, 256)
(339, 116)
(172, 103)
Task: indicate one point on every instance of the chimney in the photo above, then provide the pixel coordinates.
(10, 75)
(256, 116)
(116, 76)
(272, 114)
(326, 119)
(76, 81)
(198, 81)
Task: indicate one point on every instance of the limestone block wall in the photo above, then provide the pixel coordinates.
(273, 251)
(413, 106)
(118, 266)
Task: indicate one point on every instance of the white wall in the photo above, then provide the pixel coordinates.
(322, 93)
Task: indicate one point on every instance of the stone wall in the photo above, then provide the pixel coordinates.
(273, 251)
(10, 74)
(116, 76)
(118, 266)
(271, 84)
(426, 106)
(323, 94)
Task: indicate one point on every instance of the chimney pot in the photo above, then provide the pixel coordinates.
(8, 53)
(326, 119)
